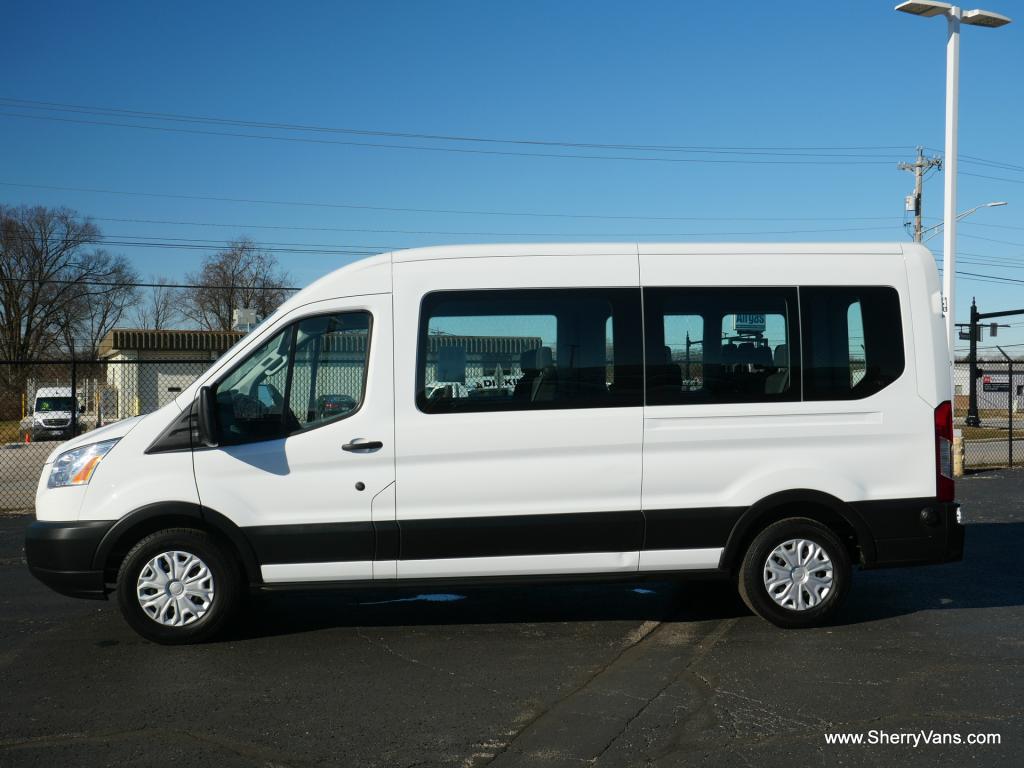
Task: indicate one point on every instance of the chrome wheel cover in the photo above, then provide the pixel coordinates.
(798, 574)
(175, 589)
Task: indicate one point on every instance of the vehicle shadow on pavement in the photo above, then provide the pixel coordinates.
(990, 576)
(282, 613)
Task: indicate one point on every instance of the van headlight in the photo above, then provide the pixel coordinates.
(75, 467)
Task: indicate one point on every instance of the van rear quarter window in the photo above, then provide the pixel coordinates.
(852, 341)
(532, 349)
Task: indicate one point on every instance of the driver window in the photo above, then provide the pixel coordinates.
(250, 401)
(330, 368)
(317, 367)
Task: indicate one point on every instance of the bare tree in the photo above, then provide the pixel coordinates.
(99, 308)
(242, 276)
(160, 309)
(55, 287)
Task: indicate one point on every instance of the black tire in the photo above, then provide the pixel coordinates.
(227, 586)
(755, 593)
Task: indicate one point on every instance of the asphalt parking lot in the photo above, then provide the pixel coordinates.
(607, 675)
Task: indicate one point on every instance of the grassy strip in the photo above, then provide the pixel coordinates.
(981, 433)
(9, 431)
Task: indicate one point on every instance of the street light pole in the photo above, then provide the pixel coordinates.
(954, 16)
(949, 196)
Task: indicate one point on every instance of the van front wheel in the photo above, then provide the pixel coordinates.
(796, 573)
(178, 586)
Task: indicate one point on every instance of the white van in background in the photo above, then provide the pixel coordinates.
(53, 414)
(772, 414)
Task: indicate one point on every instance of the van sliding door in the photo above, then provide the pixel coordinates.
(520, 426)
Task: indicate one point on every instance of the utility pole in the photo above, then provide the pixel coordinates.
(919, 166)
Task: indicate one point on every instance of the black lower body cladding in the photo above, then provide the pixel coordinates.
(913, 531)
(61, 555)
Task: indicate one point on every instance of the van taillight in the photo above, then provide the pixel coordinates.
(944, 489)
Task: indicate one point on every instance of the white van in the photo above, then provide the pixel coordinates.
(769, 413)
(53, 411)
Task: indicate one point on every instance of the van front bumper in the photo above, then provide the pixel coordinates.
(61, 554)
(913, 532)
(41, 434)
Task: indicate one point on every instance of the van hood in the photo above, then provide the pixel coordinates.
(113, 431)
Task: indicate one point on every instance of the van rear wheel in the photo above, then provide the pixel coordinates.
(795, 573)
(178, 586)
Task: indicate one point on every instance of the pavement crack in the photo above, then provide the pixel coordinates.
(704, 647)
(633, 639)
(381, 643)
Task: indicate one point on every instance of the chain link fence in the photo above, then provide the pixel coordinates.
(43, 403)
(996, 439)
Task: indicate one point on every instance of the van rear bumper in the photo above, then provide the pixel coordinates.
(60, 554)
(913, 532)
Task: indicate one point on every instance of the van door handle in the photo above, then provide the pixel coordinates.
(370, 445)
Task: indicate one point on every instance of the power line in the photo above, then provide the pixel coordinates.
(990, 239)
(367, 207)
(986, 224)
(895, 221)
(974, 159)
(178, 117)
(162, 241)
(458, 150)
(995, 264)
(326, 250)
(994, 277)
(115, 284)
(134, 284)
(993, 178)
(168, 240)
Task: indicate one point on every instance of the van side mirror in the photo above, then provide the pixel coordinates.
(81, 409)
(207, 417)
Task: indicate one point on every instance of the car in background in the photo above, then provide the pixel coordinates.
(328, 406)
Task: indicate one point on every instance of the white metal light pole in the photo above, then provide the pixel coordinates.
(949, 182)
(954, 16)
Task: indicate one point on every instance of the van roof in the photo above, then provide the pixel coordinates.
(683, 249)
(372, 274)
(53, 392)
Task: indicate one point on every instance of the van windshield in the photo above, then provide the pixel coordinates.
(55, 404)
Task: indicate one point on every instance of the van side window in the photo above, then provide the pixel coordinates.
(721, 345)
(513, 350)
(310, 373)
(853, 341)
(684, 347)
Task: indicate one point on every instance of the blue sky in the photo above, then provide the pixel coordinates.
(655, 73)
